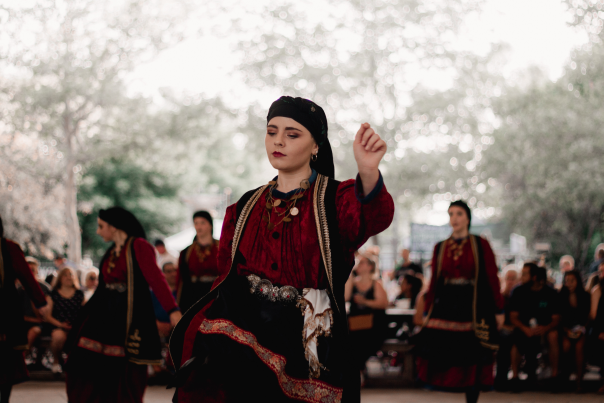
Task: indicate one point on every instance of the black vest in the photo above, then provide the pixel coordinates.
(12, 325)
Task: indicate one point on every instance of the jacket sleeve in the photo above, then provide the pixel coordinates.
(24, 274)
(145, 255)
(491, 269)
(226, 243)
(362, 216)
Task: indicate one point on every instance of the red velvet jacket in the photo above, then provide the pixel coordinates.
(290, 254)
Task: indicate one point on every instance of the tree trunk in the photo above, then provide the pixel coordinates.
(74, 250)
(74, 237)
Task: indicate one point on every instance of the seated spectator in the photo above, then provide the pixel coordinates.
(510, 281)
(574, 312)
(91, 282)
(162, 254)
(567, 263)
(592, 281)
(420, 304)
(596, 314)
(598, 259)
(368, 301)
(67, 300)
(410, 288)
(535, 314)
(34, 321)
(407, 266)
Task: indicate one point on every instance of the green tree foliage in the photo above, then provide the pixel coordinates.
(151, 195)
(548, 156)
(67, 61)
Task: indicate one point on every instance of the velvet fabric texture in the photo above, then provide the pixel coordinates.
(289, 254)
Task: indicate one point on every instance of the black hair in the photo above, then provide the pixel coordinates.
(1, 228)
(204, 214)
(536, 271)
(465, 207)
(158, 242)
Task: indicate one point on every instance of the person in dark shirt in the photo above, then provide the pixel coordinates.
(163, 319)
(410, 288)
(535, 313)
(407, 266)
(506, 332)
(575, 304)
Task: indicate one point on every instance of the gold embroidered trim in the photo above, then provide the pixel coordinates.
(481, 329)
(242, 219)
(442, 324)
(98, 347)
(323, 229)
(307, 390)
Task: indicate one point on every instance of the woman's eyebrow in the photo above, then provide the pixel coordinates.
(293, 128)
(272, 127)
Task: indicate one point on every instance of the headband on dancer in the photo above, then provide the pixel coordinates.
(312, 117)
(122, 219)
(463, 205)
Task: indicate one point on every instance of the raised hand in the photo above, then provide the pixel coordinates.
(369, 148)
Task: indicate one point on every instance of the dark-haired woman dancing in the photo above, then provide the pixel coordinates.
(274, 325)
(116, 337)
(463, 312)
(13, 333)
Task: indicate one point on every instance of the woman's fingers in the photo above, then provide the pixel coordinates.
(378, 145)
(359, 136)
(372, 141)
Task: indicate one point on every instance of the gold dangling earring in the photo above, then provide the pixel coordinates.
(313, 157)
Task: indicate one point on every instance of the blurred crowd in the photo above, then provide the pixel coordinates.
(549, 326)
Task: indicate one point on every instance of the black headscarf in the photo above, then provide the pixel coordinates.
(204, 214)
(312, 117)
(463, 205)
(122, 219)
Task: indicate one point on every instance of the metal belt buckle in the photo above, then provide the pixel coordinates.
(265, 290)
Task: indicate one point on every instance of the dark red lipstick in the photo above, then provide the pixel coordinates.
(278, 154)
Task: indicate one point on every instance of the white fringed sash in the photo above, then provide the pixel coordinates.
(318, 321)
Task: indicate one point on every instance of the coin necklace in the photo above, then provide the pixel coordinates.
(113, 256)
(456, 249)
(290, 209)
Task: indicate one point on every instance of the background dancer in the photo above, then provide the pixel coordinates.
(198, 263)
(291, 240)
(457, 343)
(116, 337)
(13, 333)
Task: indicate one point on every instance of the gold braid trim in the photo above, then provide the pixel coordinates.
(480, 329)
(323, 229)
(242, 219)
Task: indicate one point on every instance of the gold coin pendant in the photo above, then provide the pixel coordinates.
(294, 211)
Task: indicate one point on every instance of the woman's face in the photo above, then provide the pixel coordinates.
(405, 286)
(202, 227)
(67, 279)
(571, 283)
(105, 230)
(363, 267)
(458, 219)
(92, 281)
(289, 145)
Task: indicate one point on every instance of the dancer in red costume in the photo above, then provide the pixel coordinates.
(198, 263)
(13, 334)
(464, 310)
(116, 337)
(274, 324)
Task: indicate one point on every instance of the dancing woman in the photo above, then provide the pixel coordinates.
(274, 324)
(198, 263)
(116, 337)
(463, 305)
(13, 333)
